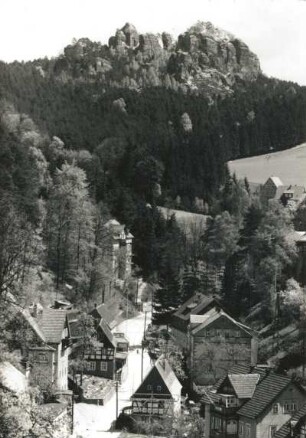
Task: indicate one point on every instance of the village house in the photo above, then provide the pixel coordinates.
(108, 355)
(48, 352)
(295, 427)
(290, 196)
(213, 341)
(251, 402)
(159, 394)
(198, 304)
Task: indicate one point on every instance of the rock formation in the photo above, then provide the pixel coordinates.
(204, 58)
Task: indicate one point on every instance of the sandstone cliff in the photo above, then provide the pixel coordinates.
(204, 58)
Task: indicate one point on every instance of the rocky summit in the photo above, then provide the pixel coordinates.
(204, 59)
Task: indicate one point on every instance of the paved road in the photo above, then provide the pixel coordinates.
(134, 328)
(93, 421)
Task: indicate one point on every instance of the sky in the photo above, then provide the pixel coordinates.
(274, 29)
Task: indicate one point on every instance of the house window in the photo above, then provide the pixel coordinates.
(207, 333)
(289, 406)
(103, 366)
(159, 388)
(149, 387)
(272, 431)
(241, 428)
(247, 430)
(42, 358)
(90, 366)
(275, 408)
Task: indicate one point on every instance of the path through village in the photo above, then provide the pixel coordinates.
(91, 421)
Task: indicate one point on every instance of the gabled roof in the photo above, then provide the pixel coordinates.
(297, 419)
(269, 386)
(213, 314)
(52, 323)
(266, 392)
(164, 370)
(11, 378)
(276, 181)
(107, 331)
(167, 373)
(33, 324)
(244, 385)
(196, 304)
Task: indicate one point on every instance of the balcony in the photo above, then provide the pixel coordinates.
(224, 411)
(219, 434)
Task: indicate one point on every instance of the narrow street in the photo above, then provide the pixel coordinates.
(91, 421)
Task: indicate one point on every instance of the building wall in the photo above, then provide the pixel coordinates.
(101, 368)
(262, 428)
(43, 368)
(214, 349)
(181, 338)
(268, 190)
(61, 367)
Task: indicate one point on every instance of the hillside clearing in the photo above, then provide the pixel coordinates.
(289, 165)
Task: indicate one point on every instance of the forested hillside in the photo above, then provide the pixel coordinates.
(78, 147)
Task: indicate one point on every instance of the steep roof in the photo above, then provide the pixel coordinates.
(276, 181)
(52, 323)
(297, 419)
(266, 392)
(213, 314)
(244, 384)
(107, 331)
(166, 373)
(33, 324)
(11, 378)
(194, 305)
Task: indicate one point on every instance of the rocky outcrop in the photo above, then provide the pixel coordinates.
(131, 35)
(167, 40)
(204, 58)
(186, 122)
(149, 45)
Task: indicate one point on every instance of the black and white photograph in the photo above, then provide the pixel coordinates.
(153, 219)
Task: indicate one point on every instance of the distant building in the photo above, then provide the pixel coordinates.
(198, 304)
(251, 402)
(119, 254)
(291, 196)
(159, 394)
(48, 352)
(217, 342)
(212, 339)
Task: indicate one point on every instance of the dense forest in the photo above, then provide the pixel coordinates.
(75, 152)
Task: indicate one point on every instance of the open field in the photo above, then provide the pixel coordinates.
(188, 222)
(288, 165)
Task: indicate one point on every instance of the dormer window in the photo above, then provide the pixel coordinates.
(275, 408)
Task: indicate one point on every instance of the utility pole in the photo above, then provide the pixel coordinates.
(142, 361)
(116, 386)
